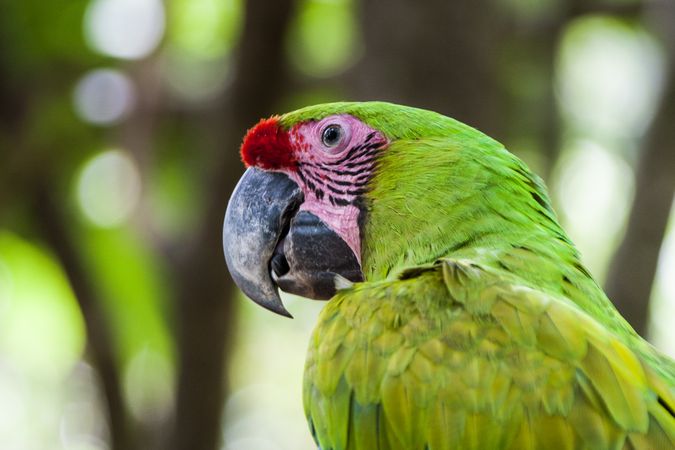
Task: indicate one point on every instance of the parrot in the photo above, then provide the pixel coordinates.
(459, 312)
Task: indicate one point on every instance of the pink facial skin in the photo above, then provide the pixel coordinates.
(332, 178)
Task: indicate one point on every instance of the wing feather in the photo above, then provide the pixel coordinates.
(458, 356)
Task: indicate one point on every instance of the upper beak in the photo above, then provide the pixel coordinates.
(259, 210)
(270, 243)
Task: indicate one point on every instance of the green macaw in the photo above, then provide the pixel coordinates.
(460, 313)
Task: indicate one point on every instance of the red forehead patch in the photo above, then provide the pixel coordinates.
(267, 146)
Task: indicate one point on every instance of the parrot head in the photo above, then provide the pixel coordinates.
(346, 192)
(293, 220)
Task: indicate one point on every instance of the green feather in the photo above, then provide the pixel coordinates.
(486, 380)
(477, 325)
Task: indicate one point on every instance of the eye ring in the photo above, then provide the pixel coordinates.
(332, 135)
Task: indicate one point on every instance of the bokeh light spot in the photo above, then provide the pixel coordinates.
(610, 75)
(193, 78)
(82, 422)
(594, 189)
(13, 395)
(324, 40)
(204, 28)
(148, 386)
(662, 303)
(41, 329)
(109, 188)
(104, 96)
(127, 29)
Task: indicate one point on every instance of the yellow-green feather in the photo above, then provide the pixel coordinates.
(478, 326)
(462, 356)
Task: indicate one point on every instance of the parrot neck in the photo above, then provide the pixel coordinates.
(485, 205)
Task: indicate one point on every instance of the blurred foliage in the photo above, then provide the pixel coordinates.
(324, 38)
(207, 28)
(34, 313)
(116, 110)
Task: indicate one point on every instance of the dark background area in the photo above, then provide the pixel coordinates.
(120, 122)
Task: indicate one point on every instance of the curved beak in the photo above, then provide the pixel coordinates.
(260, 208)
(271, 243)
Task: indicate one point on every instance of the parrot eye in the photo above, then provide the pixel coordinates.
(332, 135)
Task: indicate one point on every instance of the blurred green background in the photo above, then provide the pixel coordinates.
(120, 122)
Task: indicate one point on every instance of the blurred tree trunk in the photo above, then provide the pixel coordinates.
(27, 178)
(435, 54)
(205, 310)
(54, 227)
(631, 275)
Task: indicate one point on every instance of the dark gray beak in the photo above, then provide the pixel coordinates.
(269, 244)
(258, 210)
